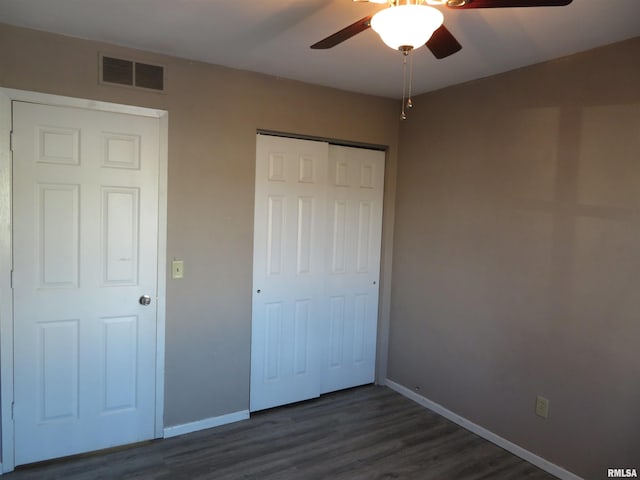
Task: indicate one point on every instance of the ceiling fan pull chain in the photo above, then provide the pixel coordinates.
(409, 101)
(403, 115)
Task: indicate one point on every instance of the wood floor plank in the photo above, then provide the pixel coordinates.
(367, 433)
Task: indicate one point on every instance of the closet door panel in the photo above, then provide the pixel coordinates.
(289, 271)
(353, 236)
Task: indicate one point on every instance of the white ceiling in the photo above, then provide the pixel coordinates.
(273, 36)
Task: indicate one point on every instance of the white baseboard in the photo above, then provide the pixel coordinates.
(517, 450)
(206, 423)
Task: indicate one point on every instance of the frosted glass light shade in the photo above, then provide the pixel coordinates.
(406, 25)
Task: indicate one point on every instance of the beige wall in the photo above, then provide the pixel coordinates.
(517, 256)
(214, 113)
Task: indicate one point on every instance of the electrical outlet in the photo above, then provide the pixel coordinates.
(542, 407)
(177, 269)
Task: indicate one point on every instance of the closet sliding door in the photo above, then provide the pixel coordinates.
(353, 237)
(288, 270)
(317, 230)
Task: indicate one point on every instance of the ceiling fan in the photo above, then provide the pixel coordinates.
(403, 16)
(408, 24)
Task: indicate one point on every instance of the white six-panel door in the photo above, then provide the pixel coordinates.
(317, 230)
(353, 241)
(288, 271)
(85, 250)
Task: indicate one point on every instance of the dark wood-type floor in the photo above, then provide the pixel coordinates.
(367, 433)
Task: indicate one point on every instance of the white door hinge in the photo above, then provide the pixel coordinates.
(11, 141)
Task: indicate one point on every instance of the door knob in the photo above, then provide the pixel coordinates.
(145, 300)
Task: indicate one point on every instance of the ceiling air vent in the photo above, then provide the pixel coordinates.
(129, 73)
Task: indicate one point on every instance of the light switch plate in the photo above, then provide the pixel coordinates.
(177, 269)
(542, 407)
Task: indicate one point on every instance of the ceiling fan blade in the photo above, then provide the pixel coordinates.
(442, 43)
(344, 34)
(512, 3)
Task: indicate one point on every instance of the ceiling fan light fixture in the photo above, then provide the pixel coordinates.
(405, 27)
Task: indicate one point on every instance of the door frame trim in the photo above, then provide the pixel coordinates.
(7, 96)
